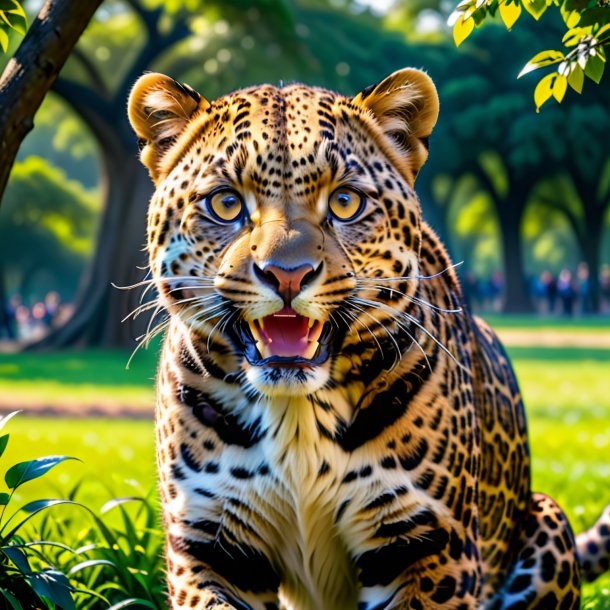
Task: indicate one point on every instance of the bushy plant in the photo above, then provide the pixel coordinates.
(55, 562)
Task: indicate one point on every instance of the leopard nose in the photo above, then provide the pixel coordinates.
(287, 282)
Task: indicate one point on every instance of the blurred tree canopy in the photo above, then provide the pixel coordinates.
(55, 219)
(509, 189)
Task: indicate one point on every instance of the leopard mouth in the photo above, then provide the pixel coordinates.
(285, 338)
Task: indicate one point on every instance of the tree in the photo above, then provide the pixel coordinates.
(587, 25)
(33, 69)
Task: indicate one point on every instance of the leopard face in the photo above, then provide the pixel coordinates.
(276, 212)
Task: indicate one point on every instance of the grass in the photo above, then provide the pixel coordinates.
(566, 392)
(94, 377)
(534, 323)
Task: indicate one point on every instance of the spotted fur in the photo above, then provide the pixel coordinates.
(395, 472)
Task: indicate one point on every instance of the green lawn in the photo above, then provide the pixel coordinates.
(566, 392)
(91, 378)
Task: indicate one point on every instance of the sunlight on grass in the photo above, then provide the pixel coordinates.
(565, 390)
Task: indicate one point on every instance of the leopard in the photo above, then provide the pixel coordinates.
(334, 429)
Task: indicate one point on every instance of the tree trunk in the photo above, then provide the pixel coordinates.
(517, 298)
(99, 307)
(591, 251)
(30, 73)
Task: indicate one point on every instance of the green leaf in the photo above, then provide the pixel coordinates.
(3, 39)
(12, 600)
(3, 443)
(133, 602)
(535, 8)
(576, 5)
(576, 78)
(593, 16)
(90, 563)
(570, 17)
(4, 420)
(53, 585)
(18, 22)
(602, 30)
(38, 505)
(510, 13)
(560, 87)
(118, 501)
(18, 557)
(544, 90)
(544, 58)
(462, 29)
(7, 5)
(595, 68)
(26, 471)
(573, 36)
(4, 498)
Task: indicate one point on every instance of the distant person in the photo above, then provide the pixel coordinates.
(38, 325)
(604, 288)
(583, 288)
(566, 291)
(537, 291)
(8, 322)
(472, 294)
(24, 326)
(52, 308)
(496, 290)
(550, 287)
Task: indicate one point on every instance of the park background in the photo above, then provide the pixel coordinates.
(521, 197)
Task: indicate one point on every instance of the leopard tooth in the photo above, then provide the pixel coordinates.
(310, 323)
(310, 350)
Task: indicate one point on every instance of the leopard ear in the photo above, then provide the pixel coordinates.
(405, 105)
(159, 109)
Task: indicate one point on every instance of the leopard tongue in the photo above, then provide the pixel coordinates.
(285, 333)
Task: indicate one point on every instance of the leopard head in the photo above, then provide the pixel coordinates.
(278, 214)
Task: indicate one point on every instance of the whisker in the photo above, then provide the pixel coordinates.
(412, 298)
(409, 277)
(140, 309)
(175, 278)
(355, 318)
(394, 342)
(228, 313)
(405, 330)
(414, 321)
(144, 340)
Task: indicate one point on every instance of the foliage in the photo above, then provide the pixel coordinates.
(587, 24)
(115, 561)
(55, 217)
(12, 19)
(27, 580)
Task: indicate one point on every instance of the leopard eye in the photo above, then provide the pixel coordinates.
(346, 203)
(225, 205)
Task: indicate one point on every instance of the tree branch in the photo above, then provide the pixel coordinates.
(572, 219)
(92, 72)
(154, 46)
(81, 98)
(149, 18)
(31, 72)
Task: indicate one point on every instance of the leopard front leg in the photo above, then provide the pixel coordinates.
(545, 574)
(195, 580)
(439, 568)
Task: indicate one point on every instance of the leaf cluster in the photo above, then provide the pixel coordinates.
(12, 19)
(587, 24)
